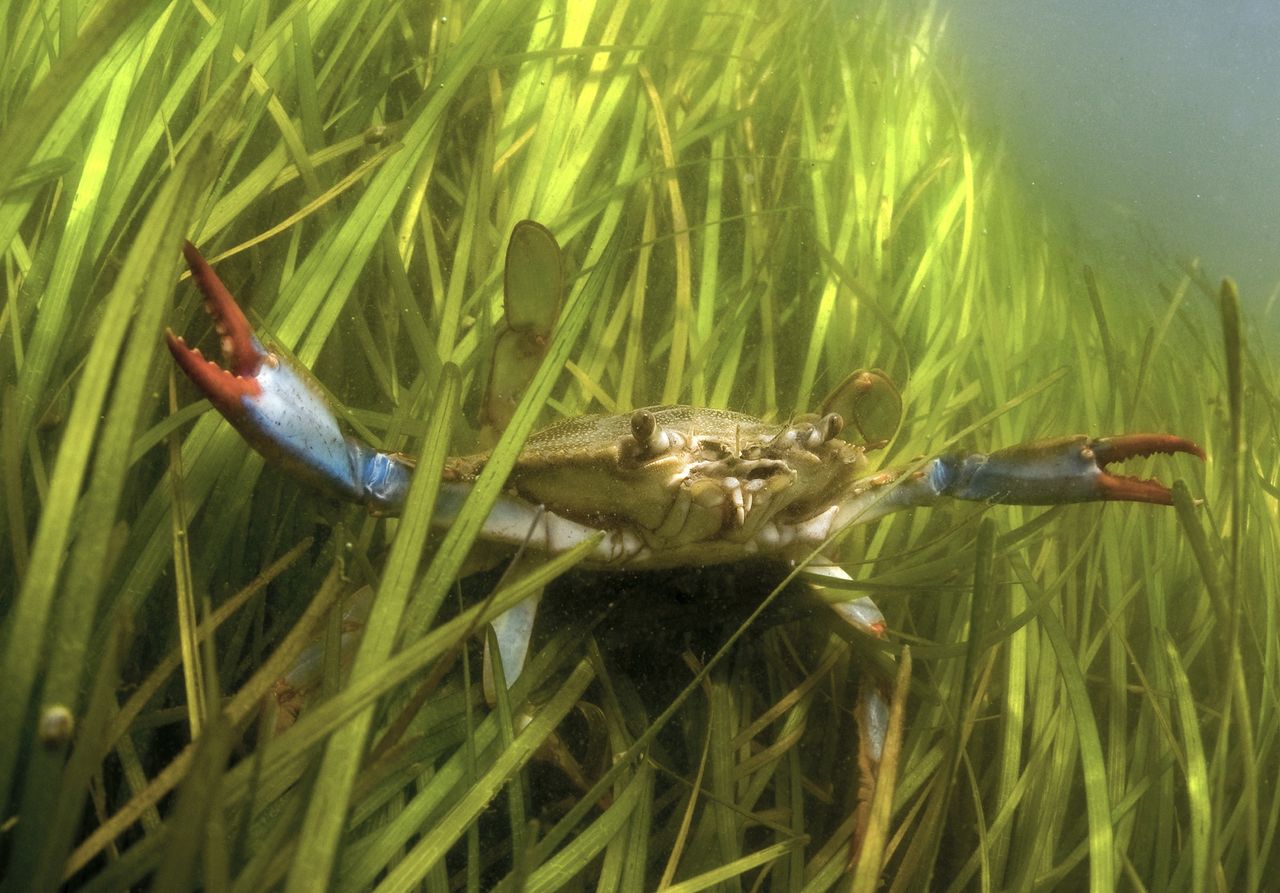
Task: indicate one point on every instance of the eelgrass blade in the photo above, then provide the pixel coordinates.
(241, 706)
(1195, 766)
(568, 863)
(185, 602)
(1093, 768)
(53, 96)
(118, 367)
(59, 300)
(197, 798)
(731, 870)
(90, 748)
(433, 846)
(317, 849)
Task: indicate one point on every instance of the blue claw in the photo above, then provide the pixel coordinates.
(278, 409)
(1065, 469)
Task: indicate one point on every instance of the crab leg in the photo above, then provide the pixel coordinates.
(1046, 472)
(1043, 472)
(281, 413)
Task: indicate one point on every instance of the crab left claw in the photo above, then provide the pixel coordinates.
(279, 410)
(1065, 469)
(1043, 472)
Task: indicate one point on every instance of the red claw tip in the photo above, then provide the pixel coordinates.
(1127, 446)
(240, 349)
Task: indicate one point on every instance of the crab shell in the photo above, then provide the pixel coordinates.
(692, 486)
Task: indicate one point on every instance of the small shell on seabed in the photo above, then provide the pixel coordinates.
(56, 726)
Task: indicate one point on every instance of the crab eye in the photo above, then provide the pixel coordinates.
(642, 425)
(830, 425)
(651, 439)
(812, 436)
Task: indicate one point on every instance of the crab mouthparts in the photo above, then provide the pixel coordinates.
(1132, 489)
(241, 350)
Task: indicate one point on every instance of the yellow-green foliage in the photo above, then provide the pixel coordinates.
(754, 199)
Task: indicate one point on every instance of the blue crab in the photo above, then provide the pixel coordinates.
(668, 486)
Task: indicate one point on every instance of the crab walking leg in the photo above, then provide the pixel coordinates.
(1044, 472)
(863, 615)
(872, 710)
(516, 522)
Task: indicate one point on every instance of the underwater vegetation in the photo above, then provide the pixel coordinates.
(753, 201)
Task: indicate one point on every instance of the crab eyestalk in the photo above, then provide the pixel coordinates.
(279, 410)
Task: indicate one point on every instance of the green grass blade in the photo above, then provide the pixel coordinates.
(433, 846)
(1196, 768)
(313, 862)
(1093, 767)
(137, 287)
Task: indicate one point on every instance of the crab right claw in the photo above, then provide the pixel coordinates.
(279, 410)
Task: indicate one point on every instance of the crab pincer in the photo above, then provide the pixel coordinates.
(278, 408)
(1067, 469)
